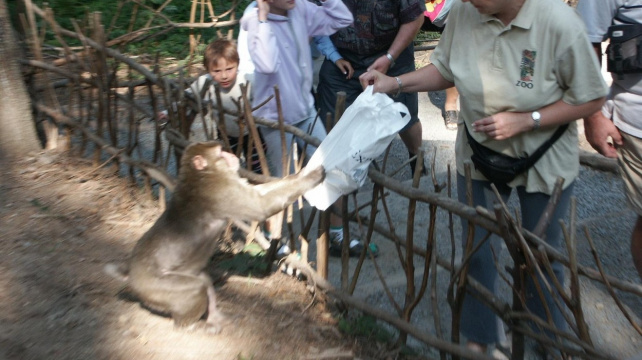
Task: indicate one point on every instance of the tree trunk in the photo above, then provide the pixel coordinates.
(17, 128)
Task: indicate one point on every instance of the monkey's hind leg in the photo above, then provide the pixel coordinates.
(215, 319)
(195, 296)
(182, 296)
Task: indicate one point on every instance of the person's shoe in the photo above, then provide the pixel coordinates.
(356, 247)
(283, 251)
(373, 249)
(451, 119)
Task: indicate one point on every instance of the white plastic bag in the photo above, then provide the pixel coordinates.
(364, 131)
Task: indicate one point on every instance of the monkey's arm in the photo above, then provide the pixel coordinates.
(303, 179)
(272, 197)
(276, 195)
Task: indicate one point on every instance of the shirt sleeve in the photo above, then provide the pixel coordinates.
(410, 10)
(327, 48)
(578, 72)
(441, 55)
(326, 19)
(598, 16)
(197, 85)
(245, 61)
(261, 43)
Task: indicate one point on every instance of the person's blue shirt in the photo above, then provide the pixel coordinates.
(327, 48)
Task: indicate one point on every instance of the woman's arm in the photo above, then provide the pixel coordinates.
(428, 78)
(507, 124)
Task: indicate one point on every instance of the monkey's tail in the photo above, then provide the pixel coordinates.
(118, 272)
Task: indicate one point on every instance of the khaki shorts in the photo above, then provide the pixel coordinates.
(630, 160)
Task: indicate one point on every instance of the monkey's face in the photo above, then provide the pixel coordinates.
(210, 155)
(231, 160)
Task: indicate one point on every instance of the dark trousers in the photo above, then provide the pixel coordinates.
(332, 80)
(478, 322)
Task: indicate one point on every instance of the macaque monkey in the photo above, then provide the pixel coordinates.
(166, 270)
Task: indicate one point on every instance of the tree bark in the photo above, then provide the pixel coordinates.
(17, 128)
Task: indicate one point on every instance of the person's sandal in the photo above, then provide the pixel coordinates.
(451, 119)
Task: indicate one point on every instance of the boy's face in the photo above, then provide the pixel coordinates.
(224, 72)
(281, 7)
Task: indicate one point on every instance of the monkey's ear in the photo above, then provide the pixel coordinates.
(199, 163)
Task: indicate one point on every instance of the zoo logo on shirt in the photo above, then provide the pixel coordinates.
(527, 69)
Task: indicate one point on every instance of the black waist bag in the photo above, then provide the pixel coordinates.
(501, 168)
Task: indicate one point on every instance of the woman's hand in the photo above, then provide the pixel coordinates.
(508, 124)
(504, 125)
(345, 67)
(381, 82)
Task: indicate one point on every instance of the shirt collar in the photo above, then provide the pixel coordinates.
(526, 15)
(524, 18)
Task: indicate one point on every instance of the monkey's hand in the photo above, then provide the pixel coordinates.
(315, 176)
(216, 322)
(275, 196)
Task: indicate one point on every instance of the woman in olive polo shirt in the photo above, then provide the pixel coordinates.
(523, 68)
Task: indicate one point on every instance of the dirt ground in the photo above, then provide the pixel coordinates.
(63, 220)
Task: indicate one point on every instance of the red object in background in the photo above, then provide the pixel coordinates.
(433, 8)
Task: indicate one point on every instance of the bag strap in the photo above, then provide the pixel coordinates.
(537, 154)
(531, 160)
(623, 18)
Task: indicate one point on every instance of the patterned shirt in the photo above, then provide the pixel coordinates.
(376, 23)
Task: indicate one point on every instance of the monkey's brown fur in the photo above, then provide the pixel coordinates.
(166, 268)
